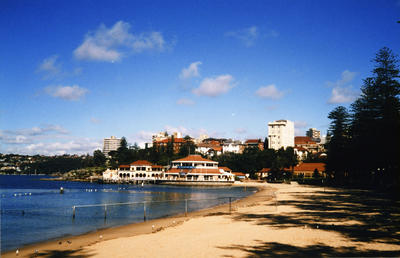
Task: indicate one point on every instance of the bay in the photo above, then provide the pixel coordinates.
(33, 210)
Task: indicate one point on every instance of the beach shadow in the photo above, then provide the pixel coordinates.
(216, 214)
(358, 215)
(78, 253)
(273, 249)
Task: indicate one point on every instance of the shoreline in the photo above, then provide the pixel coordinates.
(134, 229)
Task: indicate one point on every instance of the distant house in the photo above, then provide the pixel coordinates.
(263, 173)
(240, 175)
(176, 143)
(209, 149)
(307, 169)
(232, 147)
(254, 143)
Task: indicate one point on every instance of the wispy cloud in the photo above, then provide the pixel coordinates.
(216, 86)
(240, 130)
(299, 127)
(80, 146)
(342, 90)
(342, 95)
(45, 140)
(49, 67)
(185, 102)
(270, 92)
(191, 71)
(95, 120)
(247, 36)
(72, 93)
(111, 44)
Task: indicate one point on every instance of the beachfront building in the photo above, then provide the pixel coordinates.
(111, 144)
(194, 169)
(280, 134)
(140, 170)
(308, 170)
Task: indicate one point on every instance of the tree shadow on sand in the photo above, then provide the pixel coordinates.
(78, 253)
(360, 216)
(265, 249)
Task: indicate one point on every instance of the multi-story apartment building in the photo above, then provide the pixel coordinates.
(314, 134)
(111, 144)
(280, 134)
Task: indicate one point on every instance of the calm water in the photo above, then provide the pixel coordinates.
(33, 210)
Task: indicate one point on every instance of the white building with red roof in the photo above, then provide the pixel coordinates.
(195, 169)
(140, 170)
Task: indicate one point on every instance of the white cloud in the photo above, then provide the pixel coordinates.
(90, 50)
(342, 95)
(50, 67)
(36, 130)
(215, 86)
(342, 91)
(79, 146)
(185, 102)
(147, 41)
(95, 120)
(269, 91)
(345, 78)
(73, 93)
(46, 140)
(248, 36)
(240, 130)
(299, 127)
(191, 71)
(111, 44)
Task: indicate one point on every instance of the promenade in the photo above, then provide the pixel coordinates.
(281, 219)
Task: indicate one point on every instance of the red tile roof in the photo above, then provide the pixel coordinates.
(264, 170)
(217, 148)
(124, 166)
(194, 158)
(226, 169)
(253, 141)
(238, 174)
(176, 140)
(141, 163)
(310, 167)
(303, 140)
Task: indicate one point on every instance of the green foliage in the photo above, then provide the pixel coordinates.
(99, 159)
(253, 160)
(371, 138)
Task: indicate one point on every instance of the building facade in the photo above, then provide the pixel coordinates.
(280, 134)
(111, 144)
(314, 134)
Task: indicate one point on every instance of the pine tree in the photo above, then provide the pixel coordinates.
(338, 146)
(376, 123)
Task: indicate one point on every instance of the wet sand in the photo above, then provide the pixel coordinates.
(280, 219)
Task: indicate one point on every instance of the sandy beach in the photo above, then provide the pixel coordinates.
(280, 219)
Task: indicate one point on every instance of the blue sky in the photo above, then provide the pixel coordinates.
(75, 72)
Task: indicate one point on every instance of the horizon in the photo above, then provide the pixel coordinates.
(73, 74)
